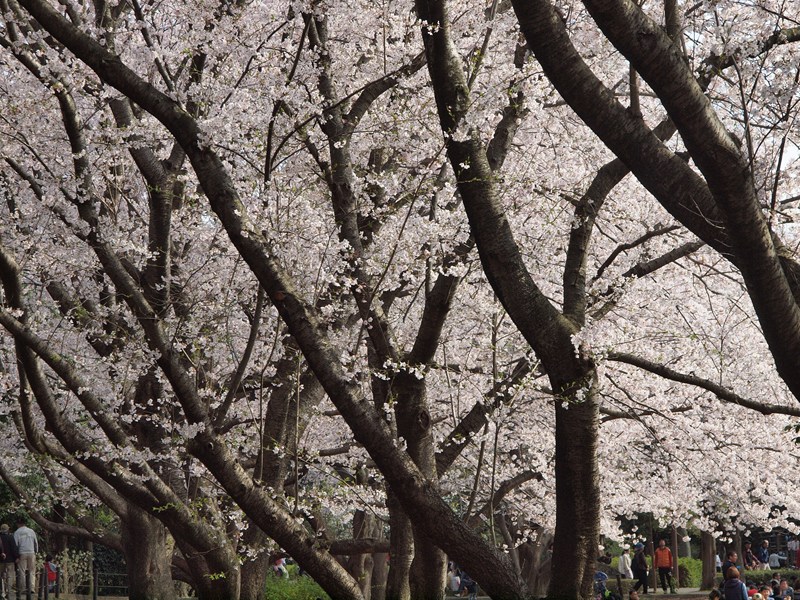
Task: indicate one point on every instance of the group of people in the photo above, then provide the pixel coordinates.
(733, 588)
(18, 556)
(636, 567)
(762, 559)
(461, 583)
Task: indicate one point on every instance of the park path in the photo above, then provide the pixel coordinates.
(683, 594)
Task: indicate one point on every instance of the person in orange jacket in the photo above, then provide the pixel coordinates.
(662, 560)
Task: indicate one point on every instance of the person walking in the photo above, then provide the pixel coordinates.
(8, 563)
(662, 560)
(27, 546)
(639, 568)
(624, 566)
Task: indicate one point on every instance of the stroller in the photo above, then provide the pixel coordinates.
(601, 592)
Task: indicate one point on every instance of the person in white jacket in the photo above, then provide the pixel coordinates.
(624, 566)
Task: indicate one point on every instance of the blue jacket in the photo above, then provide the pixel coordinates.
(734, 589)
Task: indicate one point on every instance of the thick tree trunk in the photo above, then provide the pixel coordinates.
(254, 571)
(578, 496)
(214, 575)
(429, 567)
(59, 540)
(536, 559)
(360, 565)
(215, 572)
(366, 584)
(401, 550)
(380, 575)
(428, 570)
(148, 557)
(270, 470)
(708, 554)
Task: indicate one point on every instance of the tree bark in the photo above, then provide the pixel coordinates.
(148, 556)
(360, 565)
(578, 497)
(401, 550)
(708, 555)
(212, 576)
(536, 563)
(380, 574)
(429, 566)
(254, 571)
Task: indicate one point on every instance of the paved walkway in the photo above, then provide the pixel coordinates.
(683, 594)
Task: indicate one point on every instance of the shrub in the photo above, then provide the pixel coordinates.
(690, 571)
(76, 569)
(759, 577)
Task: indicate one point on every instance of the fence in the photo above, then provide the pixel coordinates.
(103, 584)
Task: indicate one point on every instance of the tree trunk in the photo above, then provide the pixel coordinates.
(578, 496)
(255, 571)
(59, 540)
(360, 565)
(685, 548)
(148, 557)
(270, 471)
(279, 431)
(380, 575)
(651, 552)
(429, 567)
(401, 550)
(674, 543)
(736, 546)
(708, 554)
(215, 576)
(536, 563)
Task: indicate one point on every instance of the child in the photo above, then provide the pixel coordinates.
(279, 568)
(50, 568)
(455, 580)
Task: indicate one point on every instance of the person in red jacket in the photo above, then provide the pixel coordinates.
(52, 573)
(662, 560)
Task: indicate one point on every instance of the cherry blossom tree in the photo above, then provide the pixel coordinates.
(223, 216)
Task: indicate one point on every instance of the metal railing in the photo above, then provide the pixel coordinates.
(109, 583)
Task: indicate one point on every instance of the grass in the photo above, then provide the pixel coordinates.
(296, 587)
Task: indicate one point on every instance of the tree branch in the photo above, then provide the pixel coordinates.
(727, 172)
(719, 391)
